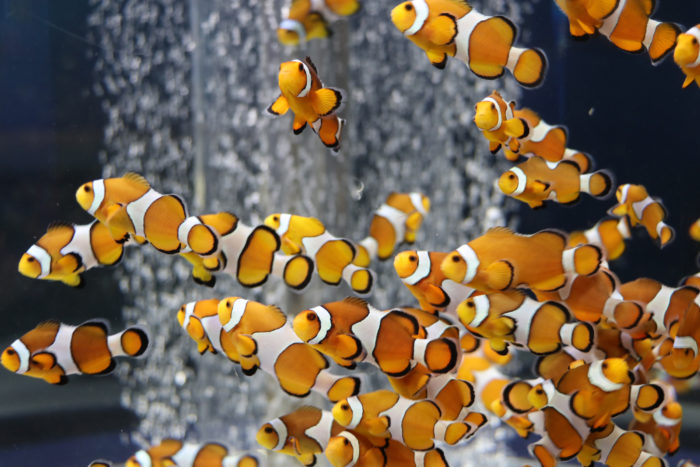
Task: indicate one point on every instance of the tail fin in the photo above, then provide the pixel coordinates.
(627, 314)
(359, 279)
(432, 458)
(666, 234)
(296, 271)
(527, 65)
(256, 258)
(329, 131)
(579, 335)
(582, 159)
(660, 39)
(336, 387)
(439, 356)
(450, 432)
(583, 259)
(131, 342)
(649, 397)
(362, 256)
(597, 184)
(201, 238)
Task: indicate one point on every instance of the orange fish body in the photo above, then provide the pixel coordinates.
(662, 429)
(495, 118)
(586, 16)
(642, 209)
(682, 359)
(52, 351)
(308, 19)
(311, 103)
(536, 180)
(176, 452)
(65, 251)
(352, 449)
(201, 321)
(608, 234)
(687, 55)
(501, 259)
(483, 43)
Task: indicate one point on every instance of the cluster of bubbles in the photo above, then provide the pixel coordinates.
(184, 85)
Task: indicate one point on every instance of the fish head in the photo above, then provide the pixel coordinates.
(273, 221)
(191, 324)
(486, 115)
(687, 49)
(295, 78)
(306, 325)
(404, 15)
(85, 195)
(406, 263)
(509, 181)
(225, 312)
(343, 412)
(268, 436)
(454, 267)
(616, 370)
(11, 359)
(466, 310)
(683, 354)
(672, 411)
(340, 451)
(29, 266)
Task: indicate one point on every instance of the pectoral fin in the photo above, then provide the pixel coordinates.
(500, 275)
(246, 345)
(539, 187)
(441, 30)
(437, 59)
(326, 100)
(44, 361)
(279, 107)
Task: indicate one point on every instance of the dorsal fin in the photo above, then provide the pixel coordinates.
(355, 301)
(48, 324)
(462, 3)
(59, 225)
(500, 230)
(311, 64)
(133, 177)
(277, 310)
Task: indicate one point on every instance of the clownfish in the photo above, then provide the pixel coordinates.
(52, 351)
(396, 221)
(128, 205)
(512, 317)
(641, 209)
(496, 120)
(332, 256)
(616, 447)
(264, 339)
(420, 272)
(177, 453)
(308, 19)
(352, 330)
(609, 234)
(501, 259)
(695, 230)
(687, 55)
(662, 429)
(352, 449)
(303, 433)
(679, 355)
(201, 321)
(586, 16)
(65, 251)
(416, 424)
(537, 180)
(311, 103)
(483, 43)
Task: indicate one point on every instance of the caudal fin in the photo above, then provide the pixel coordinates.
(597, 184)
(666, 234)
(336, 387)
(359, 279)
(131, 342)
(439, 356)
(255, 261)
(663, 39)
(203, 239)
(578, 335)
(296, 271)
(583, 259)
(528, 66)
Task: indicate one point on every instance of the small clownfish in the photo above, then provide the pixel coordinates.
(201, 321)
(128, 205)
(502, 259)
(512, 317)
(537, 180)
(416, 424)
(641, 209)
(312, 104)
(420, 272)
(52, 351)
(303, 433)
(333, 256)
(177, 453)
(687, 55)
(695, 231)
(352, 330)
(396, 221)
(65, 251)
(454, 396)
(264, 339)
(496, 120)
(609, 234)
(662, 429)
(684, 356)
(308, 19)
(352, 449)
(507, 406)
(483, 43)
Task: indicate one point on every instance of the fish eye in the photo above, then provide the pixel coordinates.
(30, 259)
(345, 407)
(470, 304)
(86, 189)
(277, 218)
(311, 317)
(228, 303)
(455, 259)
(301, 67)
(345, 441)
(412, 258)
(511, 176)
(11, 352)
(539, 391)
(409, 7)
(493, 107)
(694, 40)
(604, 366)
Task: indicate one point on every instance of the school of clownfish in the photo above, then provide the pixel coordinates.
(604, 348)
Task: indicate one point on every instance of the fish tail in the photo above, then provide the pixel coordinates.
(660, 38)
(666, 234)
(362, 256)
(336, 387)
(296, 271)
(201, 238)
(649, 397)
(627, 314)
(598, 184)
(583, 259)
(329, 130)
(132, 342)
(257, 257)
(527, 65)
(581, 335)
(582, 159)
(359, 279)
(432, 458)
(439, 355)
(333, 260)
(450, 432)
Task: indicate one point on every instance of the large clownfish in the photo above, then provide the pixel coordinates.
(308, 19)
(52, 351)
(312, 104)
(641, 209)
(128, 205)
(687, 55)
(484, 43)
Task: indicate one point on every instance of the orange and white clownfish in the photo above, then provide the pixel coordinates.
(308, 19)
(349, 448)
(352, 330)
(537, 180)
(496, 120)
(609, 234)
(679, 356)
(420, 272)
(687, 55)
(264, 339)
(695, 230)
(586, 16)
(502, 259)
(52, 351)
(513, 318)
(332, 256)
(616, 447)
(416, 424)
(641, 209)
(65, 251)
(311, 103)
(662, 429)
(250, 254)
(201, 321)
(177, 453)
(303, 433)
(483, 43)
(396, 221)
(129, 206)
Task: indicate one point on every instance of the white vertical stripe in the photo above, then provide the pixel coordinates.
(325, 322)
(23, 354)
(137, 210)
(695, 32)
(598, 378)
(294, 26)
(143, 459)
(81, 244)
(422, 269)
(472, 260)
(355, 446)
(186, 455)
(610, 23)
(422, 11)
(282, 433)
(307, 86)
(522, 181)
(499, 122)
(417, 201)
(465, 26)
(357, 411)
(98, 195)
(43, 257)
(237, 310)
(321, 432)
